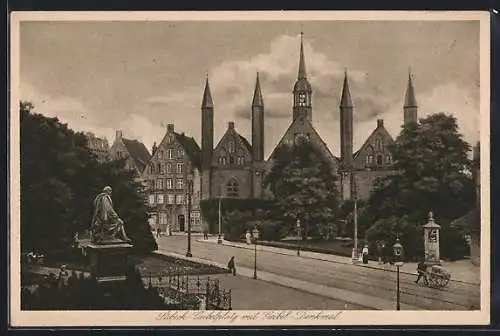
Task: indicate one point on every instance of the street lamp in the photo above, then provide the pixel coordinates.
(219, 238)
(298, 237)
(189, 200)
(398, 261)
(355, 215)
(255, 233)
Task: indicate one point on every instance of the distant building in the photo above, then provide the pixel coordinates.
(134, 151)
(98, 146)
(174, 163)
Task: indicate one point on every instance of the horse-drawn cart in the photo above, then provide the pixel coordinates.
(436, 277)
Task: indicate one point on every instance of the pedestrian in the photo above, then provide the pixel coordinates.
(421, 269)
(158, 232)
(231, 266)
(365, 254)
(205, 234)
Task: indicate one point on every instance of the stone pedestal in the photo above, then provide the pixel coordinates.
(109, 261)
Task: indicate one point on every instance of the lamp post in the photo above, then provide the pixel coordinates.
(219, 238)
(355, 215)
(398, 261)
(255, 233)
(298, 237)
(189, 194)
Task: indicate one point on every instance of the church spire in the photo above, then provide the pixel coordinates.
(207, 97)
(410, 100)
(345, 100)
(302, 64)
(410, 108)
(257, 95)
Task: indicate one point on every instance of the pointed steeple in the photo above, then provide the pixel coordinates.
(302, 64)
(207, 97)
(345, 100)
(410, 100)
(257, 94)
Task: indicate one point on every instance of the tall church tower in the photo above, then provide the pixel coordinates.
(346, 126)
(302, 91)
(207, 139)
(257, 123)
(410, 107)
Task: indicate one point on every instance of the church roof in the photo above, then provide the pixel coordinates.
(315, 133)
(245, 142)
(380, 128)
(138, 152)
(191, 148)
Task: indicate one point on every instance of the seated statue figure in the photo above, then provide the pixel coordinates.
(106, 226)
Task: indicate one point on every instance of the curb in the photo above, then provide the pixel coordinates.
(342, 295)
(327, 260)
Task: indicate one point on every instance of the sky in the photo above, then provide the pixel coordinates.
(140, 76)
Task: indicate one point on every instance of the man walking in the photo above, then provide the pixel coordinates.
(421, 269)
(231, 266)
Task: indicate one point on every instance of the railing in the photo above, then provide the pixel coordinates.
(191, 291)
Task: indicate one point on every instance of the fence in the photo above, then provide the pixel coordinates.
(190, 292)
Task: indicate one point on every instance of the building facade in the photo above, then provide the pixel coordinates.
(134, 152)
(172, 178)
(235, 168)
(98, 146)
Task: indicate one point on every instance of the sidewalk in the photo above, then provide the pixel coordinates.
(322, 290)
(461, 271)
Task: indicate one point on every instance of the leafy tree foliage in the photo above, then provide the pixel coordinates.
(433, 174)
(59, 179)
(304, 188)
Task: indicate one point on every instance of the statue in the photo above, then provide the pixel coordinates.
(106, 226)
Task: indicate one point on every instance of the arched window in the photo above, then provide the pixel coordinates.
(379, 160)
(231, 146)
(379, 144)
(232, 188)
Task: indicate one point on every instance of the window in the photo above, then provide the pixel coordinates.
(231, 146)
(195, 218)
(232, 189)
(160, 199)
(159, 184)
(180, 184)
(181, 153)
(231, 159)
(158, 169)
(160, 153)
(180, 167)
(169, 167)
(222, 160)
(241, 160)
(151, 199)
(180, 199)
(170, 199)
(387, 159)
(170, 153)
(369, 159)
(170, 184)
(379, 160)
(379, 144)
(162, 168)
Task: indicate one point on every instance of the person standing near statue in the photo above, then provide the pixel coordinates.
(106, 224)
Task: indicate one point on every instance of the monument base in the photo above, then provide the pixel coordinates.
(109, 261)
(432, 262)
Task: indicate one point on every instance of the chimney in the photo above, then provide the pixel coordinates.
(118, 134)
(380, 122)
(170, 128)
(230, 125)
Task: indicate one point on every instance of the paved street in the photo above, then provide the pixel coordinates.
(363, 286)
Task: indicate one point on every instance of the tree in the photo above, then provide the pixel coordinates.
(304, 188)
(433, 173)
(59, 179)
